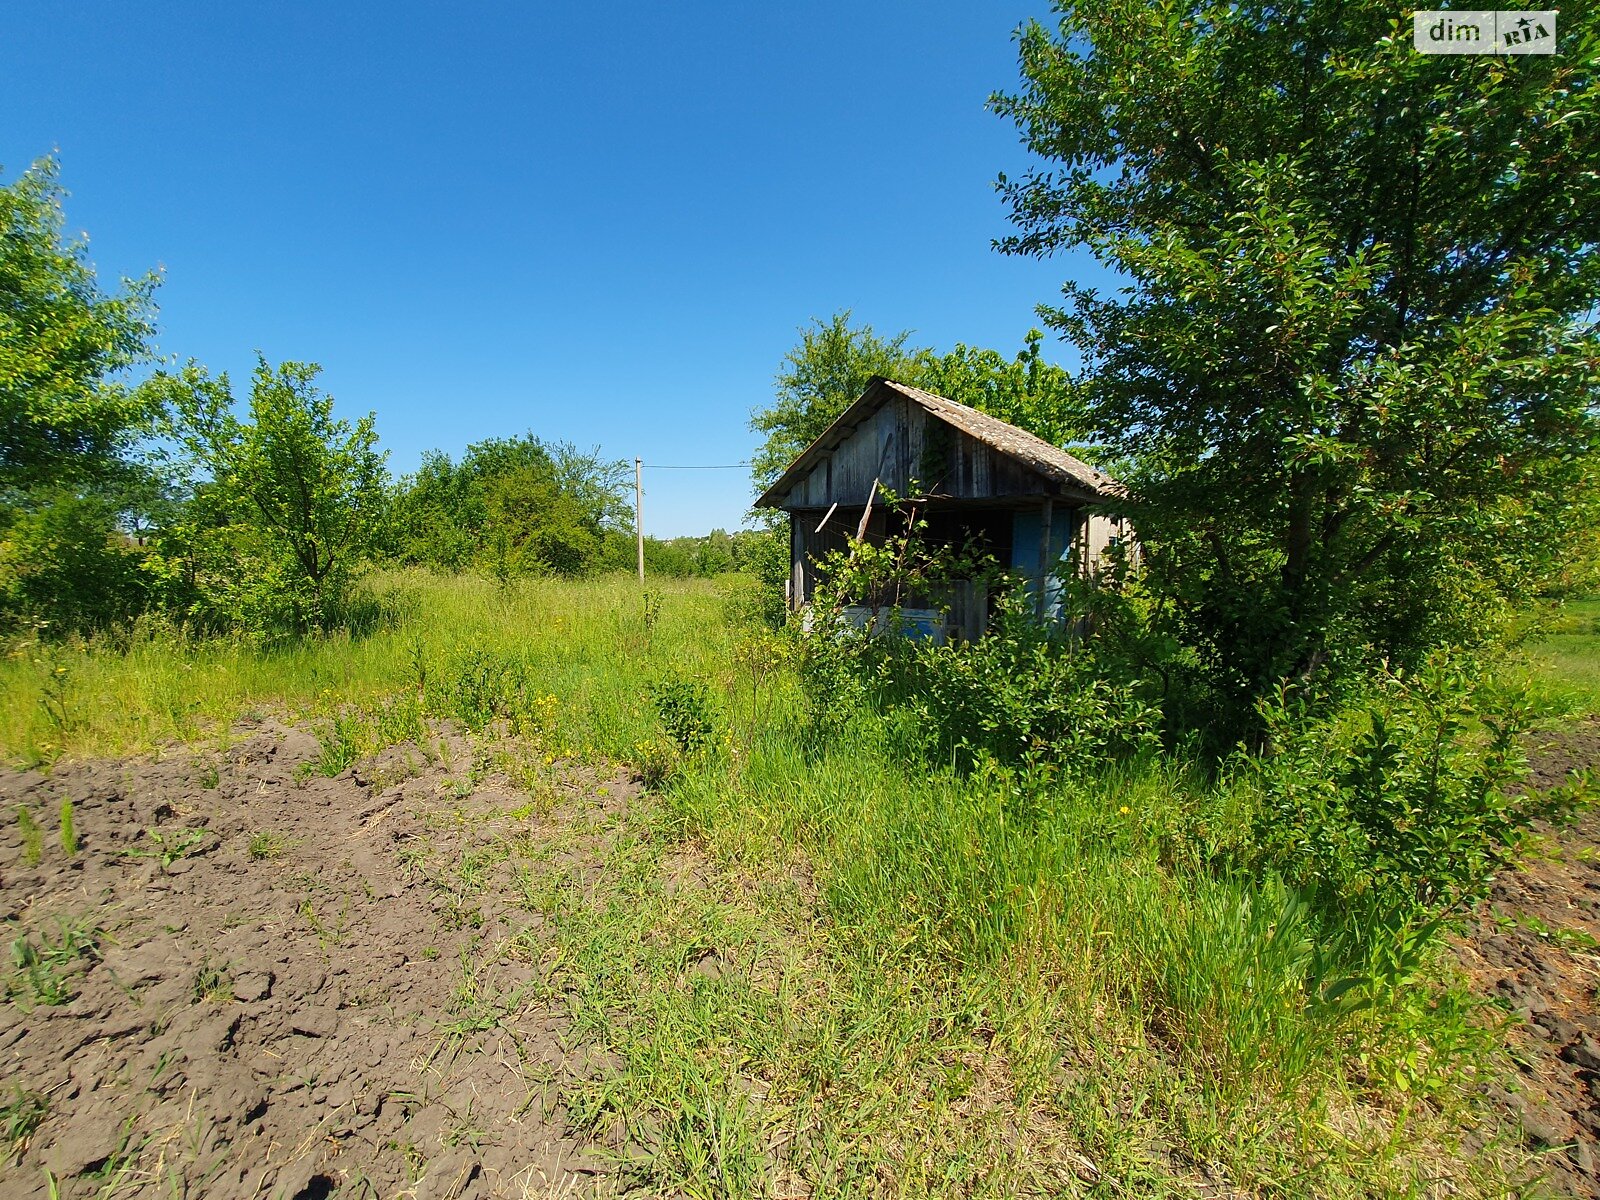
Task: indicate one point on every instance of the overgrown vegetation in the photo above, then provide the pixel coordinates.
(1152, 892)
(906, 945)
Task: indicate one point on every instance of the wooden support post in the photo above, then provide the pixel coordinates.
(638, 512)
(797, 563)
(1045, 565)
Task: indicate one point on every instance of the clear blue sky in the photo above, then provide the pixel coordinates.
(604, 225)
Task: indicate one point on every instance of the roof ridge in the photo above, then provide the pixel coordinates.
(1071, 465)
(1021, 444)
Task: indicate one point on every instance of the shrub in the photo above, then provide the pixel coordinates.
(63, 562)
(1021, 694)
(684, 706)
(1401, 810)
(481, 686)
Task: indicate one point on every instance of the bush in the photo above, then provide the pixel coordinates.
(63, 562)
(481, 686)
(1021, 694)
(684, 706)
(1400, 811)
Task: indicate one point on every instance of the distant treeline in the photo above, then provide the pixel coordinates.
(248, 511)
(521, 506)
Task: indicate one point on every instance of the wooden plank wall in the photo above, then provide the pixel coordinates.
(907, 450)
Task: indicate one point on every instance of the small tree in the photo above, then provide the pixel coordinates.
(63, 421)
(294, 500)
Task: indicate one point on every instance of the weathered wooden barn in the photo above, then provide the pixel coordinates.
(975, 480)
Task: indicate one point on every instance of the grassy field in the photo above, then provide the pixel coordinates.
(1565, 663)
(822, 972)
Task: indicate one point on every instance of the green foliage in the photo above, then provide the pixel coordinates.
(1026, 391)
(820, 379)
(67, 427)
(69, 829)
(684, 707)
(512, 507)
(286, 506)
(1405, 808)
(42, 969)
(343, 742)
(20, 1117)
(168, 848)
(1020, 695)
(835, 361)
(62, 421)
(480, 686)
(32, 836)
(1353, 371)
(65, 565)
(706, 556)
(267, 845)
(1025, 693)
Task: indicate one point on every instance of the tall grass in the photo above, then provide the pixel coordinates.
(585, 643)
(1564, 665)
(921, 981)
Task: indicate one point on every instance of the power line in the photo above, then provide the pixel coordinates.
(686, 467)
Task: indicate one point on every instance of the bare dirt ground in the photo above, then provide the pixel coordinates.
(253, 980)
(1536, 946)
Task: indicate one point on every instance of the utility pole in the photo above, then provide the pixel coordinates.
(638, 512)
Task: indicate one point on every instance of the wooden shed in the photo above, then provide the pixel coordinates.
(974, 478)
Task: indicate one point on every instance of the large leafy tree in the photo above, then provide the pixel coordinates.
(68, 422)
(285, 504)
(1355, 357)
(64, 419)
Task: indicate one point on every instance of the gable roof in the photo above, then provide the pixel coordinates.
(1034, 452)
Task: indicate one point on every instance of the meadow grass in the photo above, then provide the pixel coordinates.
(822, 968)
(1564, 664)
(585, 643)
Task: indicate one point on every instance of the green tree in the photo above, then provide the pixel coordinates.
(820, 378)
(1026, 391)
(1355, 361)
(287, 503)
(63, 420)
(835, 361)
(64, 565)
(512, 506)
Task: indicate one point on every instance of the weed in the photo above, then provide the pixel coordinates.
(211, 982)
(684, 707)
(327, 934)
(20, 1116)
(267, 845)
(344, 740)
(53, 687)
(42, 969)
(210, 777)
(169, 848)
(32, 837)
(69, 832)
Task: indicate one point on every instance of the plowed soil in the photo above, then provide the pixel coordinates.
(253, 980)
(1536, 946)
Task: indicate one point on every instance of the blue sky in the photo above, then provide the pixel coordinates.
(604, 225)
